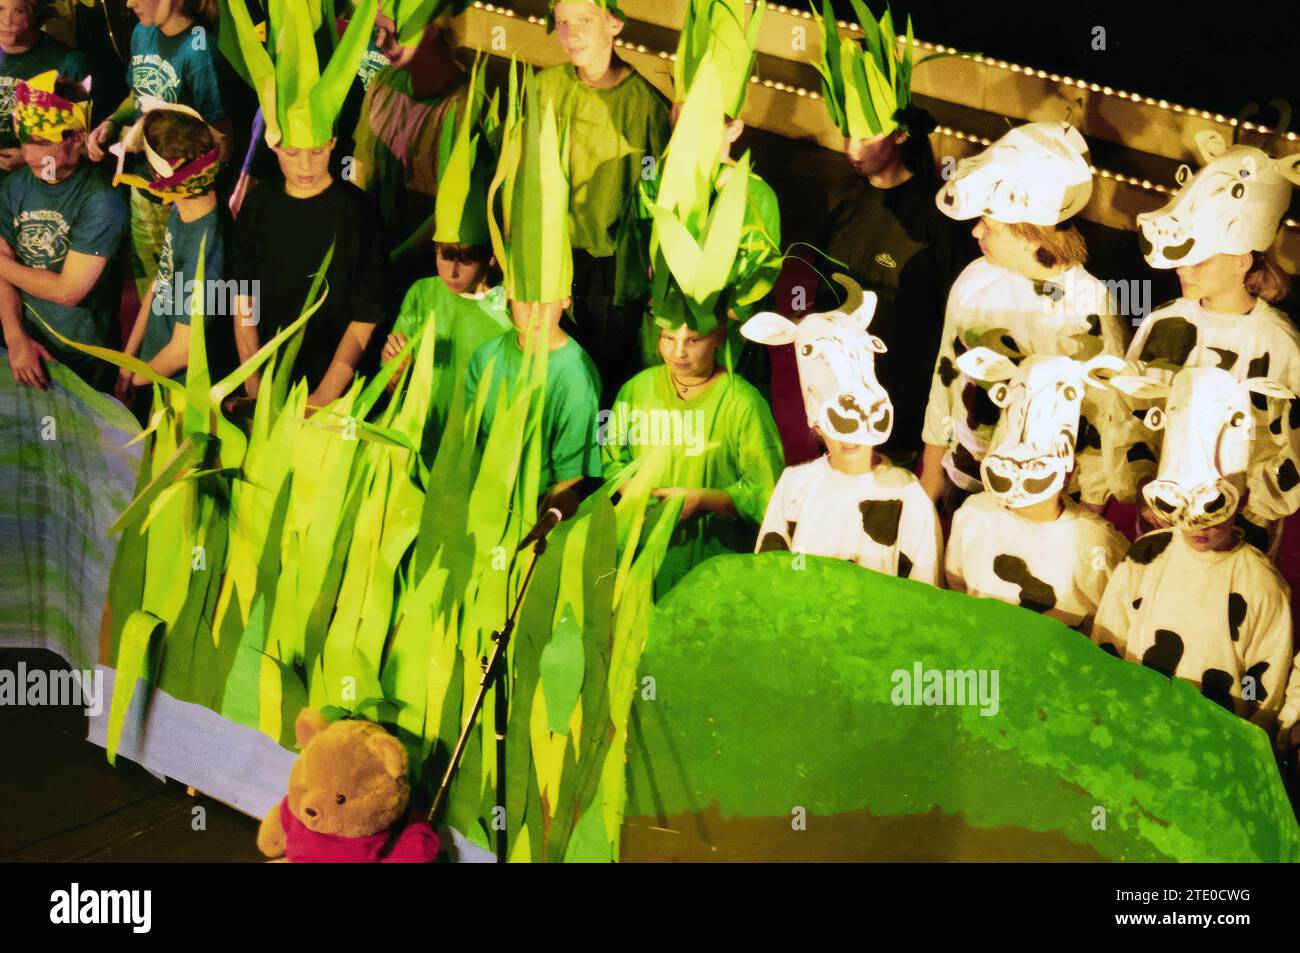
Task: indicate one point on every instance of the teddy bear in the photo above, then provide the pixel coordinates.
(348, 791)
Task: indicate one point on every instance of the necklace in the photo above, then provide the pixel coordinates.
(684, 387)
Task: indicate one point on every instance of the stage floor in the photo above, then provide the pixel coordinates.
(65, 802)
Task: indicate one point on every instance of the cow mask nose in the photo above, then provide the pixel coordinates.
(1166, 499)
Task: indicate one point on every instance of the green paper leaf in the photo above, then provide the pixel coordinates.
(562, 671)
(138, 636)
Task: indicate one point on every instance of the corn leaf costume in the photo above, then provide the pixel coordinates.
(300, 101)
(866, 87)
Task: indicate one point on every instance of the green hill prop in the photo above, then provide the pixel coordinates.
(772, 733)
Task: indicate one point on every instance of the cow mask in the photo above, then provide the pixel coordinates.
(1232, 206)
(837, 366)
(1037, 173)
(1208, 427)
(1031, 453)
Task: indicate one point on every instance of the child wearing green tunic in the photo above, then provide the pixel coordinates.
(468, 312)
(706, 435)
(618, 128)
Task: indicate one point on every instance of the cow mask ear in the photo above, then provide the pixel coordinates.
(1102, 362)
(986, 364)
(1154, 418)
(876, 344)
(770, 328)
(1143, 387)
(1210, 144)
(1289, 167)
(1262, 385)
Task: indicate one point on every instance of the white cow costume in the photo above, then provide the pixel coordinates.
(881, 519)
(1058, 567)
(1221, 619)
(1038, 174)
(1233, 205)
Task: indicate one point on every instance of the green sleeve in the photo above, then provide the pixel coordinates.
(759, 455)
(574, 445)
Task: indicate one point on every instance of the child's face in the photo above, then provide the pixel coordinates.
(152, 12)
(460, 277)
(1004, 248)
(1218, 274)
(1214, 538)
(526, 314)
(875, 155)
(688, 354)
(846, 456)
(586, 32)
(53, 161)
(305, 168)
(15, 21)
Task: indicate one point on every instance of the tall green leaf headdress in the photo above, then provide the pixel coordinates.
(531, 241)
(464, 170)
(300, 101)
(412, 16)
(609, 6)
(865, 88)
(717, 28)
(705, 256)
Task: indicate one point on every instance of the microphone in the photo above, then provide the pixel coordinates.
(560, 507)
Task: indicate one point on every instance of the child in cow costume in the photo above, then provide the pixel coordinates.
(1195, 600)
(1025, 541)
(1216, 232)
(850, 504)
(1027, 294)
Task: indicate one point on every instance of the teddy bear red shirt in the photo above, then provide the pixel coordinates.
(417, 844)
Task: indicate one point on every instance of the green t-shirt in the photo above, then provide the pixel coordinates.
(461, 326)
(570, 411)
(612, 134)
(723, 439)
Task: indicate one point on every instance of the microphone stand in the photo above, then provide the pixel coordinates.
(494, 670)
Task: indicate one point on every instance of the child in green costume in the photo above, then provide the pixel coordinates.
(706, 435)
(619, 128)
(467, 310)
(532, 245)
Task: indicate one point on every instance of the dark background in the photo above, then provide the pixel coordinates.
(1209, 56)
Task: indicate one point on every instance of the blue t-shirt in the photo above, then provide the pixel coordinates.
(173, 286)
(570, 407)
(179, 69)
(48, 54)
(44, 221)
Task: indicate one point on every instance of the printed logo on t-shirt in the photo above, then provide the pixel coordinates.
(162, 283)
(886, 259)
(7, 86)
(154, 76)
(371, 64)
(42, 238)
